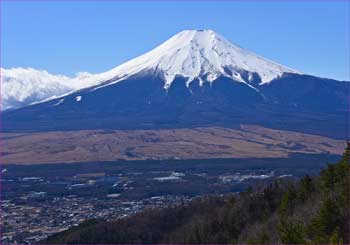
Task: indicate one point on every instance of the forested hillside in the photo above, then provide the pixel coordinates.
(313, 210)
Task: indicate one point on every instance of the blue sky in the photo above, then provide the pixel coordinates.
(72, 36)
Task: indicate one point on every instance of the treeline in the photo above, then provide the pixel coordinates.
(313, 210)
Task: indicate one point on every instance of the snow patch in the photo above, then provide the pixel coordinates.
(59, 102)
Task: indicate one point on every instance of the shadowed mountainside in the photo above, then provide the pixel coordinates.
(292, 102)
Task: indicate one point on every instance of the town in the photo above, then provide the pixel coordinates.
(55, 197)
(30, 223)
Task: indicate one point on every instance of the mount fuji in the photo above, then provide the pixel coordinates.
(196, 78)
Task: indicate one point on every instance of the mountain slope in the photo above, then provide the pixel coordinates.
(196, 78)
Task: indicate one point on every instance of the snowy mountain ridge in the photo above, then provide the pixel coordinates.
(25, 86)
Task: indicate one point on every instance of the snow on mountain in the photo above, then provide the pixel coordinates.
(25, 86)
(202, 54)
(22, 86)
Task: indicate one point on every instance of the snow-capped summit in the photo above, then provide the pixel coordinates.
(202, 54)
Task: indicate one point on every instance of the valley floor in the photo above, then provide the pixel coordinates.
(248, 141)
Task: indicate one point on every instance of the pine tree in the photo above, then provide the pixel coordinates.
(335, 237)
(306, 187)
(291, 232)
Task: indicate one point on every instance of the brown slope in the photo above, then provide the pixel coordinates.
(206, 142)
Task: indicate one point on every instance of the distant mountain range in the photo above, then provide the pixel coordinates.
(196, 78)
(24, 86)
